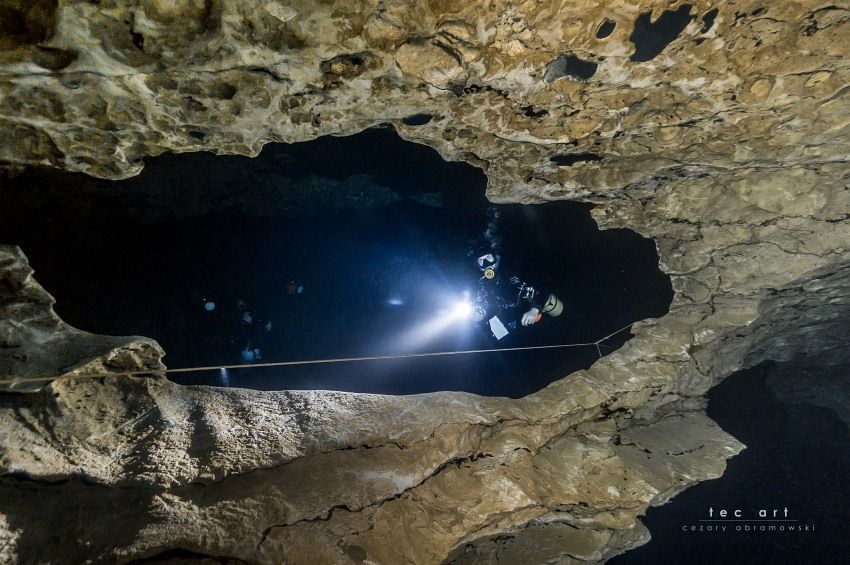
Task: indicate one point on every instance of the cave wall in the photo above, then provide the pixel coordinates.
(727, 146)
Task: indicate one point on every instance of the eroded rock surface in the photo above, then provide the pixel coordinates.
(726, 143)
(35, 343)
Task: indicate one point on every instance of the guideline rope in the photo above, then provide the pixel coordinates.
(22, 380)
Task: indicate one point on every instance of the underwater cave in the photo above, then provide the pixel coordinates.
(793, 418)
(717, 132)
(336, 248)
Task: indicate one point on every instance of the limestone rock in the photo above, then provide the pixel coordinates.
(280, 11)
(431, 62)
(727, 145)
(35, 343)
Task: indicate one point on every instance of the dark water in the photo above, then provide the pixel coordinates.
(798, 458)
(371, 278)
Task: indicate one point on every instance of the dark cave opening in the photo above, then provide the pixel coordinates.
(571, 67)
(797, 457)
(651, 38)
(708, 20)
(605, 29)
(417, 119)
(375, 231)
(570, 159)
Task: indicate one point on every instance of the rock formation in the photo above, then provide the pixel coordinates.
(35, 342)
(720, 131)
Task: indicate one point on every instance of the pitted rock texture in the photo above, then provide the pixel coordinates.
(727, 144)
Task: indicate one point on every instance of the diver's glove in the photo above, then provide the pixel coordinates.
(530, 317)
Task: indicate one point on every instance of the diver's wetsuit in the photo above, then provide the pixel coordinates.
(509, 299)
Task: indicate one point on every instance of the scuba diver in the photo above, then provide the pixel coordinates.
(254, 328)
(498, 301)
(232, 322)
